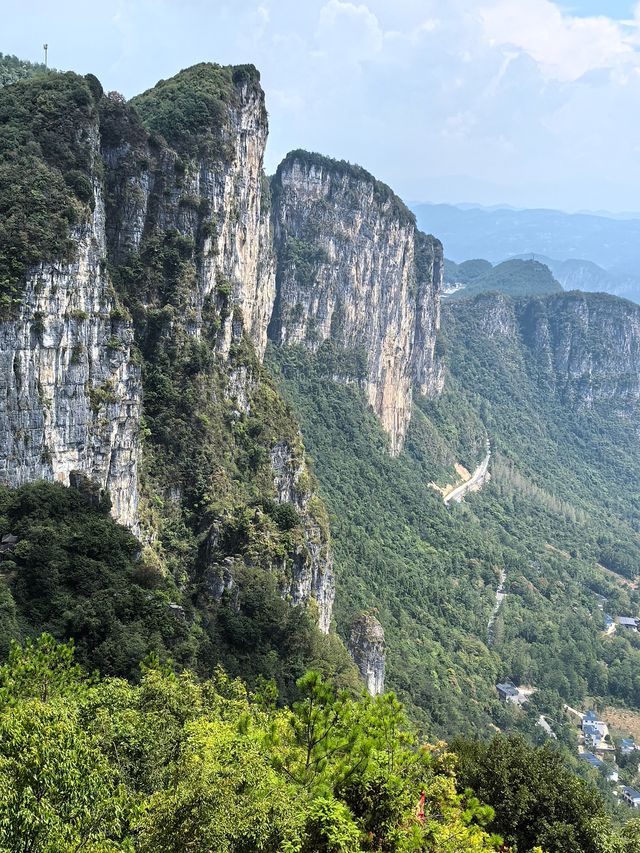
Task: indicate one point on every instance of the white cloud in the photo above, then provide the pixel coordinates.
(349, 31)
(512, 94)
(566, 47)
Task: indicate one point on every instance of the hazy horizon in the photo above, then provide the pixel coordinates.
(465, 203)
(530, 104)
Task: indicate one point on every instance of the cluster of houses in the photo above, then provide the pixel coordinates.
(611, 623)
(596, 747)
(595, 736)
(629, 795)
(596, 744)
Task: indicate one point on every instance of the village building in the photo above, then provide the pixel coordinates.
(611, 772)
(595, 733)
(592, 759)
(508, 692)
(627, 745)
(608, 769)
(631, 797)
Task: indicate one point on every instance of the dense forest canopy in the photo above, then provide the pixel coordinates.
(172, 764)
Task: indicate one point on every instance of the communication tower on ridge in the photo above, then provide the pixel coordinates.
(46, 49)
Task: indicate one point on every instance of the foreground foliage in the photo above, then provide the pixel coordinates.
(173, 764)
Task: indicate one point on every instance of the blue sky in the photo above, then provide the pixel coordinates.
(525, 102)
(611, 8)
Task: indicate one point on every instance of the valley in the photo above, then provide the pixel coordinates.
(231, 599)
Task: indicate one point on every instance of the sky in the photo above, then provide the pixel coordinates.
(531, 103)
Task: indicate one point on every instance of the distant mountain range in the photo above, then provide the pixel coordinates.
(575, 274)
(583, 251)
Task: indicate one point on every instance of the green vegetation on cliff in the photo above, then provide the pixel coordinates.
(211, 584)
(46, 125)
(190, 110)
(75, 573)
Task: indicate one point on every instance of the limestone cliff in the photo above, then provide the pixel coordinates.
(586, 346)
(589, 346)
(71, 393)
(353, 269)
(366, 645)
(168, 255)
(191, 247)
(213, 193)
(312, 577)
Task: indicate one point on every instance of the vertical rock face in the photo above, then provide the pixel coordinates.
(71, 394)
(215, 195)
(206, 194)
(353, 269)
(366, 645)
(312, 577)
(587, 345)
(428, 368)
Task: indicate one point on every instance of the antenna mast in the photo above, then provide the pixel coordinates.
(46, 48)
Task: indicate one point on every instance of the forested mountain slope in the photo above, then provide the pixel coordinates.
(517, 277)
(553, 382)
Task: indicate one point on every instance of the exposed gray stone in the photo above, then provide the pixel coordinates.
(368, 281)
(70, 393)
(366, 645)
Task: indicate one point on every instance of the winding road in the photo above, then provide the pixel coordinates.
(476, 481)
